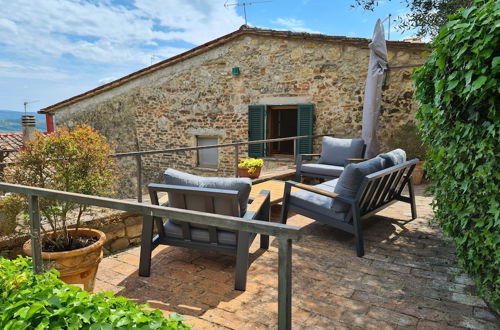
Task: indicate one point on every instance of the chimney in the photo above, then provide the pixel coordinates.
(29, 127)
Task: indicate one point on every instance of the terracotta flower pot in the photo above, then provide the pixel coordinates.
(243, 173)
(76, 266)
(418, 172)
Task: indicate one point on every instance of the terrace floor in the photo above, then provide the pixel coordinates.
(407, 279)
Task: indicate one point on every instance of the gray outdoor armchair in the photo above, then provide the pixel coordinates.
(224, 196)
(335, 155)
(362, 190)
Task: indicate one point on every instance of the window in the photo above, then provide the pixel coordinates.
(270, 122)
(207, 157)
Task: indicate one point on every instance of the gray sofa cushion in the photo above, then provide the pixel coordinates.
(242, 185)
(322, 169)
(316, 202)
(335, 151)
(394, 157)
(350, 180)
(173, 229)
(331, 183)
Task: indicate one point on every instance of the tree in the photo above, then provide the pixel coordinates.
(426, 16)
(74, 161)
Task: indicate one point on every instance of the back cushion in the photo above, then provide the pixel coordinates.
(394, 157)
(335, 151)
(242, 185)
(350, 180)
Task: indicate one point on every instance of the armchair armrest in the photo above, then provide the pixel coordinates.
(316, 190)
(355, 160)
(290, 184)
(258, 203)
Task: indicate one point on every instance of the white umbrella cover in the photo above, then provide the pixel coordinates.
(373, 89)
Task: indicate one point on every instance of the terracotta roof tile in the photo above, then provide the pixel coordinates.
(11, 142)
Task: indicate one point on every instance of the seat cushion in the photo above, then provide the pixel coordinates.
(322, 169)
(242, 185)
(335, 151)
(317, 203)
(172, 229)
(350, 181)
(394, 157)
(331, 183)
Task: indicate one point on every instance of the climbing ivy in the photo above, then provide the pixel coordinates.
(458, 88)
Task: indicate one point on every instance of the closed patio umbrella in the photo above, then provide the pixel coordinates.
(373, 89)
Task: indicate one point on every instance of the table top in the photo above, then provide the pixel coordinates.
(274, 186)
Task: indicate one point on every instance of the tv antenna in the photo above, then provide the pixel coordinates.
(28, 102)
(244, 5)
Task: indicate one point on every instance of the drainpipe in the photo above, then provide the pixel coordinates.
(49, 120)
(29, 127)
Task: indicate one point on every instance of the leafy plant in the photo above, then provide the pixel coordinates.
(458, 87)
(74, 161)
(29, 301)
(251, 163)
(407, 138)
(426, 16)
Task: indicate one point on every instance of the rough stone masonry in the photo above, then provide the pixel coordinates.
(194, 94)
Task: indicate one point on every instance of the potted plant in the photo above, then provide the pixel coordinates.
(250, 167)
(407, 138)
(74, 161)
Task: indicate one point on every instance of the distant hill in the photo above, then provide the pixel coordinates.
(10, 121)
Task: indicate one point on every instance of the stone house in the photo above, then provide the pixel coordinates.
(249, 84)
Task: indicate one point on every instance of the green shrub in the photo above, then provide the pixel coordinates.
(29, 301)
(458, 88)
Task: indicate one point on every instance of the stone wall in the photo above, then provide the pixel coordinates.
(199, 96)
(115, 118)
(122, 229)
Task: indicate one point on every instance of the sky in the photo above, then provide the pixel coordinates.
(51, 50)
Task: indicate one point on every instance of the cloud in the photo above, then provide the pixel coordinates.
(15, 70)
(101, 31)
(293, 24)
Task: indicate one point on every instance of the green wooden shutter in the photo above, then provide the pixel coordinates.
(256, 129)
(305, 115)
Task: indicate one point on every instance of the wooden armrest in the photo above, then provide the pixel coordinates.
(257, 204)
(311, 155)
(355, 160)
(316, 190)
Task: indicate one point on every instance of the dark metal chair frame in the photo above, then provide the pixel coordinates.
(377, 191)
(300, 159)
(259, 209)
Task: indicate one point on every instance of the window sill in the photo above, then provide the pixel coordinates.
(208, 169)
(283, 159)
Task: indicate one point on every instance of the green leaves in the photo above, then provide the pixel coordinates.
(479, 82)
(24, 304)
(459, 119)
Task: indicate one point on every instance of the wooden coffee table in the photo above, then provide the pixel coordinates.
(274, 186)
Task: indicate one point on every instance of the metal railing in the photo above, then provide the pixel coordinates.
(235, 145)
(284, 233)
